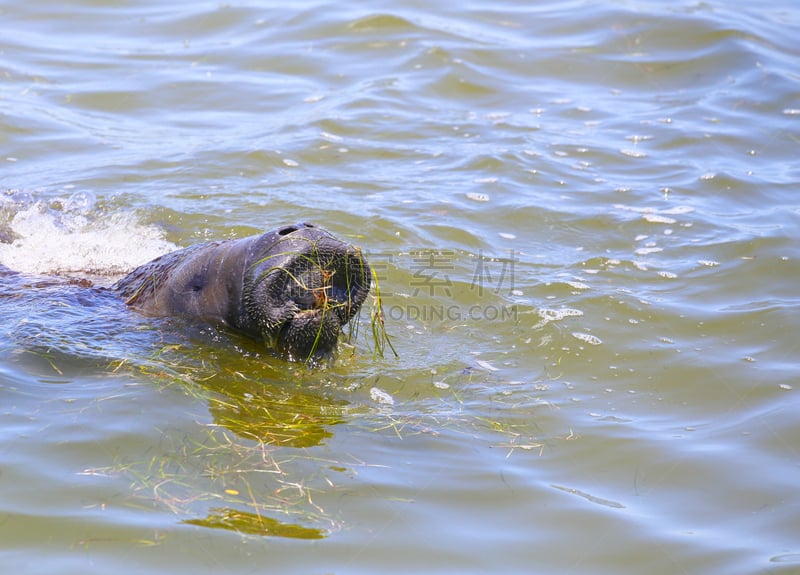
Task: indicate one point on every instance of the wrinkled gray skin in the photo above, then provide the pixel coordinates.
(294, 288)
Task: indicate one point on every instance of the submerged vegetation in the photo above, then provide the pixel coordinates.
(258, 458)
(254, 524)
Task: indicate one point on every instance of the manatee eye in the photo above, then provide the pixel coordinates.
(198, 283)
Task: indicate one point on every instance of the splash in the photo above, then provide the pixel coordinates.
(73, 236)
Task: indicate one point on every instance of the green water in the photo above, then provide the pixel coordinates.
(584, 221)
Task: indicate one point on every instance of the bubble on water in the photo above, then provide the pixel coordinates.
(632, 153)
(474, 196)
(668, 275)
(653, 213)
(708, 263)
(380, 396)
(498, 116)
(568, 312)
(486, 365)
(587, 338)
(331, 137)
(677, 210)
(577, 285)
(549, 315)
(657, 219)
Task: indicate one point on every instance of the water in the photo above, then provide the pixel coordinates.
(584, 221)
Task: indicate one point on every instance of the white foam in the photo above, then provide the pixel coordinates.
(380, 396)
(586, 337)
(78, 241)
(657, 219)
(577, 285)
(549, 315)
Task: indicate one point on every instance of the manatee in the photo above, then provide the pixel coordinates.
(293, 288)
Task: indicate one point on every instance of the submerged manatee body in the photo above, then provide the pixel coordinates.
(294, 288)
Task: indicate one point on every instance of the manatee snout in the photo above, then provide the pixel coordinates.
(294, 288)
(305, 290)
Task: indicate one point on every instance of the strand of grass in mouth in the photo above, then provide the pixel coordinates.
(353, 332)
(380, 336)
(377, 321)
(325, 306)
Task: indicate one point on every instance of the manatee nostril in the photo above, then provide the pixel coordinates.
(286, 230)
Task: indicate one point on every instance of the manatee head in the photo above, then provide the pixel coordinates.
(301, 287)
